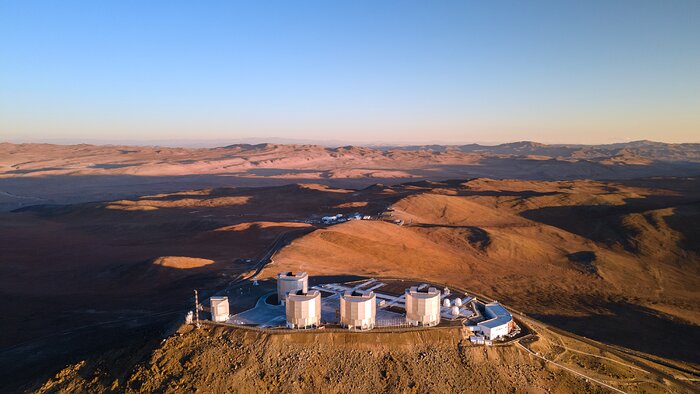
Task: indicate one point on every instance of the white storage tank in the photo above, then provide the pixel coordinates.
(358, 310)
(219, 308)
(446, 303)
(288, 282)
(303, 309)
(455, 311)
(458, 301)
(423, 306)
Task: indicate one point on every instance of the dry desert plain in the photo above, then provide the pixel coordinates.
(33, 174)
(86, 279)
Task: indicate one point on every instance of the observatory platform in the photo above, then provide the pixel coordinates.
(385, 305)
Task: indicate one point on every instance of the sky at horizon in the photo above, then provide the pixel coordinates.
(359, 72)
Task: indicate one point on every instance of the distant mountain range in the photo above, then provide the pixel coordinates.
(642, 149)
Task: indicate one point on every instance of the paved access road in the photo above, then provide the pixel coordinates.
(281, 241)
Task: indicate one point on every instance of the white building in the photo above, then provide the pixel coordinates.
(288, 282)
(499, 322)
(219, 308)
(333, 219)
(423, 306)
(303, 309)
(358, 310)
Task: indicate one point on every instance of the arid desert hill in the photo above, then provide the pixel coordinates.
(568, 252)
(218, 359)
(59, 174)
(616, 261)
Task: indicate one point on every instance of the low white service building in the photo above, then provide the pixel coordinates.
(422, 306)
(358, 310)
(219, 308)
(499, 322)
(303, 309)
(288, 282)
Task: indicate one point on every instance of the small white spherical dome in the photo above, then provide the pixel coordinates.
(446, 303)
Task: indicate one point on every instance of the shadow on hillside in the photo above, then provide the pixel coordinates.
(20, 192)
(124, 338)
(686, 220)
(476, 236)
(553, 169)
(292, 201)
(585, 260)
(637, 328)
(605, 223)
(117, 303)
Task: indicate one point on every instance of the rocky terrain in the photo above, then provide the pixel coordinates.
(220, 359)
(89, 289)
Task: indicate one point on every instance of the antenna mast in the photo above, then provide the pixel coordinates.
(196, 309)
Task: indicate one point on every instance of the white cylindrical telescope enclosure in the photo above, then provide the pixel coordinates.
(303, 309)
(219, 308)
(288, 282)
(422, 306)
(358, 310)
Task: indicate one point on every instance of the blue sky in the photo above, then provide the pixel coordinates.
(361, 71)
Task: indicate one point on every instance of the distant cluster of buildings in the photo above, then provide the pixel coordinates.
(340, 218)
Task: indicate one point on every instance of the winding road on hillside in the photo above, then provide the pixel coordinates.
(588, 378)
(631, 356)
(281, 241)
